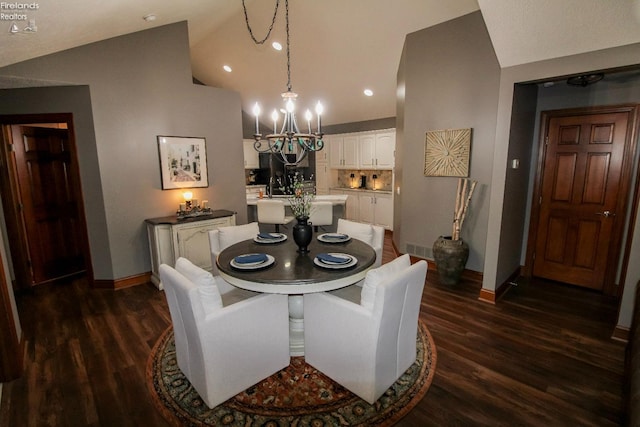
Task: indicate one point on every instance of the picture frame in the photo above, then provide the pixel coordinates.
(183, 162)
(447, 152)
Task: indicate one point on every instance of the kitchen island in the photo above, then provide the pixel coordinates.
(338, 200)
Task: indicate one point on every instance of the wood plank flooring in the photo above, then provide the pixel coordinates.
(541, 357)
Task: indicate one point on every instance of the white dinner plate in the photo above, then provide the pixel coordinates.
(327, 238)
(281, 238)
(253, 265)
(325, 264)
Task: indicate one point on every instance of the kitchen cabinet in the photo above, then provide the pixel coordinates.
(322, 156)
(376, 208)
(385, 149)
(322, 172)
(343, 151)
(170, 239)
(352, 210)
(322, 178)
(377, 150)
(372, 207)
(250, 155)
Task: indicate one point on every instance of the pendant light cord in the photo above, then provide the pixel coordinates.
(286, 5)
(273, 21)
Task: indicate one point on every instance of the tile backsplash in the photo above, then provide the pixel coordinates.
(383, 180)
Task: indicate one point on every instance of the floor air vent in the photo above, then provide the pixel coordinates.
(419, 251)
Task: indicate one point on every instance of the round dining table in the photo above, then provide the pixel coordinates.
(295, 274)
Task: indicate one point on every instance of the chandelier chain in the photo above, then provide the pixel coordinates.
(286, 4)
(273, 21)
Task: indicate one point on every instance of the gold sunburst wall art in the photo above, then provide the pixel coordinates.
(446, 152)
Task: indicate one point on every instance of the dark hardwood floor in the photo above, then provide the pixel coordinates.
(541, 357)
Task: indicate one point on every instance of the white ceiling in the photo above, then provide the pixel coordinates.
(338, 47)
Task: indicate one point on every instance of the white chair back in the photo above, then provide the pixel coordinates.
(272, 211)
(367, 349)
(224, 237)
(224, 350)
(373, 235)
(321, 214)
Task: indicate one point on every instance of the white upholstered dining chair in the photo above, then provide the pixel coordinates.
(223, 348)
(272, 211)
(321, 214)
(224, 237)
(366, 344)
(373, 235)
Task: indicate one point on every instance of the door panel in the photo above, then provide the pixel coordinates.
(49, 206)
(580, 191)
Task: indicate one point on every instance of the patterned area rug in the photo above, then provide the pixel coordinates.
(299, 395)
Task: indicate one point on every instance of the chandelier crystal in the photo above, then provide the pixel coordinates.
(289, 139)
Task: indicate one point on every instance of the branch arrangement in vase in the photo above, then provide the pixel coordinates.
(463, 198)
(299, 199)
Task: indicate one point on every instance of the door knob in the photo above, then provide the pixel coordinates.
(606, 214)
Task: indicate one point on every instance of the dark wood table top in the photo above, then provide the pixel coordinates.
(292, 272)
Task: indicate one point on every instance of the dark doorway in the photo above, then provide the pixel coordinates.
(43, 206)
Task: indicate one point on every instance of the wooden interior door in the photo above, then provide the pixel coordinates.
(582, 196)
(48, 187)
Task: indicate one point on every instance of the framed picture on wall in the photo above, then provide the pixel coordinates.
(183, 162)
(446, 152)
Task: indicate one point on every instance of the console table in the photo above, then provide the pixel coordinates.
(171, 238)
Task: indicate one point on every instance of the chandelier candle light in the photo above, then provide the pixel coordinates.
(289, 140)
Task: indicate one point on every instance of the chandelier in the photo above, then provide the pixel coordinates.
(289, 140)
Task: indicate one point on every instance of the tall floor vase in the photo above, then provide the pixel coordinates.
(450, 257)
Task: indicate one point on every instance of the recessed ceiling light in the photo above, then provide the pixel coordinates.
(150, 17)
(227, 68)
(276, 46)
(368, 92)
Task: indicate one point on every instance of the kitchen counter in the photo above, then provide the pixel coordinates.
(337, 199)
(368, 190)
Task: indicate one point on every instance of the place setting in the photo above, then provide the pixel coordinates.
(334, 237)
(269, 238)
(335, 260)
(253, 261)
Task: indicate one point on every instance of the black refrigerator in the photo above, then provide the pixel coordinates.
(283, 175)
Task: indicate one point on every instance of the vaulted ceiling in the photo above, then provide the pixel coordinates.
(338, 47)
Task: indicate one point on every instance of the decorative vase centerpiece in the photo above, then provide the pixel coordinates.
(300, 203)
(451, 253)
(302, 234)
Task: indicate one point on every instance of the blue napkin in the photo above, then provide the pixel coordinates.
(333, 259)
(269, 236)
(336, 236)
(250, 258)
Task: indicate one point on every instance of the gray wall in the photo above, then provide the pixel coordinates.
(140, 87)
(451, 80)
(516, 198)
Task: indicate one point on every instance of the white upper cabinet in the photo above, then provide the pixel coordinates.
(322, 177)
(343, 151)
(385, 148)
(367, 143)
(377, 150)
(322, 156)
(251, 160)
